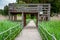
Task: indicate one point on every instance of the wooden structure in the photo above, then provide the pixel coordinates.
(24, 9)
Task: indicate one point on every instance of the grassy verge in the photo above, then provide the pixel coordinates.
(9, 30)
(53, 27)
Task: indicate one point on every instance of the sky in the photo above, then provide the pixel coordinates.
(5, 2)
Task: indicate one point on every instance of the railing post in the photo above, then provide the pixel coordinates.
(22, 19)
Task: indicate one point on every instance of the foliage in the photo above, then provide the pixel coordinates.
(1, 11)
(29, 1)
(5, 10)
(20, 2)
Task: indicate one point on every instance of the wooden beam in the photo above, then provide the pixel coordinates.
(23, 19)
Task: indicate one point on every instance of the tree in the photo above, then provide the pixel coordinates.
(29, 1)
(1, 11)
(58, 5)
(20, 2)
(5, 10)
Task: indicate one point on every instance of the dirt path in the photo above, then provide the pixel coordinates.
(30, 32)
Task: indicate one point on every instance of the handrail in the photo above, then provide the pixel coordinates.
(49, 33)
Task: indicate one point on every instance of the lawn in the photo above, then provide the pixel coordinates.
(53, 27)
(9, 29)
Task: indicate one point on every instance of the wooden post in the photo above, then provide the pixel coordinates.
(15, 17)
(9, 15)
(37, 20)
(49, 12)
(24, 19)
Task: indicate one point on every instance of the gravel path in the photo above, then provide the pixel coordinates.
(30, 32)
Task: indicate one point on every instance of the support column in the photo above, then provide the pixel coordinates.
(9, 16)
(37, 20)
(24, 19)
(15, 17)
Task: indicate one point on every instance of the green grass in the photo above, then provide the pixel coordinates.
(53, 27)
(5, 25)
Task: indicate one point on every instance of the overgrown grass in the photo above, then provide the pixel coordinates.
(6, 25)
(53, 27)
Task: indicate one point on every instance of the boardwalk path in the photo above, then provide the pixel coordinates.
(30, 32)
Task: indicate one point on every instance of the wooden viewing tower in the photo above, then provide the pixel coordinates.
(41, 11)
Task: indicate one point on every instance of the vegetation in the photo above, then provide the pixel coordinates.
(29, 17)
(8, 30)
(20, 2)
(55, 4)
(5, 10)
(1, 11)
(53, 27)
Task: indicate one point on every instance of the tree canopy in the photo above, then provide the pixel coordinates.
(5, 10)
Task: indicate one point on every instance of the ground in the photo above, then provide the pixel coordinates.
(3, 17)
(30, 32)
(55, 17)
(51, 18)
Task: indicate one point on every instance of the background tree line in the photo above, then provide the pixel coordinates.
(4, 11)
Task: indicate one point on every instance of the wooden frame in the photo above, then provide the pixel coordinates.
(30, 8)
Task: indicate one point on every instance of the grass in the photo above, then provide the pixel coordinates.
(53, 27)
(5, 25)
